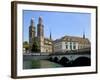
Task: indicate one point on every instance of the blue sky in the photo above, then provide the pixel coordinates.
(59, 23)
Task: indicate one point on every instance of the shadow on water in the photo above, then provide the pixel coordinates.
(81, 61)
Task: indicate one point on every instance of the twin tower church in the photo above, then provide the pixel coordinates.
(44, 44)
(65, 43)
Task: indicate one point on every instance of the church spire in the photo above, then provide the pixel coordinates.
(83, 35)
(32, 22)
(40, 20)
(40, 27)
(50, 36)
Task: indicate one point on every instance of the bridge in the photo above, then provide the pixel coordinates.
(69, 58)
(80, 57)
(71, 55)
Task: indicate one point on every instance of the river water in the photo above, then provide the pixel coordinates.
(33, 64)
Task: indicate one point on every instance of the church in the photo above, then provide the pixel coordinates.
(45, 44)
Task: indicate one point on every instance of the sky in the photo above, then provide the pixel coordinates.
(58, 23)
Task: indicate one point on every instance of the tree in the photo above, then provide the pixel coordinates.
(26, 45)
(25, 42)
(35, 47)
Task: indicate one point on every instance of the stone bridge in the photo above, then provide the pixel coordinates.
(81, 58)
(70, 57)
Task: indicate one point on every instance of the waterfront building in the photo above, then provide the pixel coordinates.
(68, 43)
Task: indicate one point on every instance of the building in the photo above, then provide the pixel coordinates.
(45, 44)
(68, 43)
(63, 44)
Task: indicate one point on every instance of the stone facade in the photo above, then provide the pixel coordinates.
(68, 43)
(45, 44)
(31, 33)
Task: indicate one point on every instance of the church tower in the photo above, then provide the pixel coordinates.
(31, 33)
(40, 34)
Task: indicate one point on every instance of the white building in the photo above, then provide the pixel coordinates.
(68, 43)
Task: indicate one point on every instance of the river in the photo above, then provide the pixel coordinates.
(33, 64)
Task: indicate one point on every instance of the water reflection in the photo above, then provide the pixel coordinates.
(33, 64)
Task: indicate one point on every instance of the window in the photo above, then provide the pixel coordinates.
(66, 46)
(71, 45)
(74, 45)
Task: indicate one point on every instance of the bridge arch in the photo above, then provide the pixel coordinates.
(51, 59)
(55, 59)
(64, 61)
(82, 61)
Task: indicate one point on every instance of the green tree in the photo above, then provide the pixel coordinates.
(26, 45)
(35, 47)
